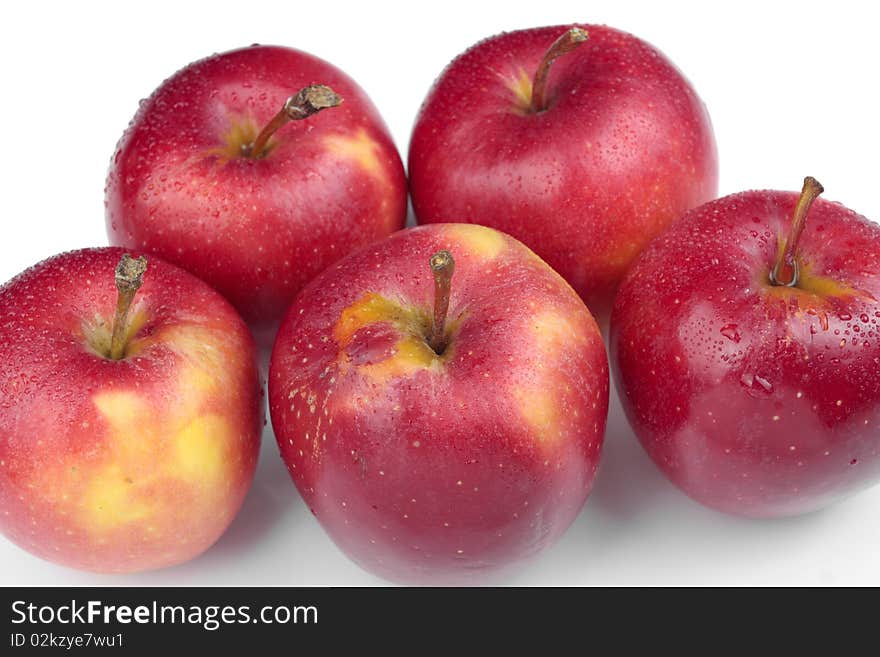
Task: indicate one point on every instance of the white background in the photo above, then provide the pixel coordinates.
(792, 89)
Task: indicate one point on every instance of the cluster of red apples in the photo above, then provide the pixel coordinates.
(438, 393)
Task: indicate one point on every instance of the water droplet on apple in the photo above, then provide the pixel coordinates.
(756, 383)
(764, 383)
(731, 332)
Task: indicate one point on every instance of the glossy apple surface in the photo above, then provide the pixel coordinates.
(755, 399)
(426, 467)
(130, 464)
(255, 228)
(622, 147)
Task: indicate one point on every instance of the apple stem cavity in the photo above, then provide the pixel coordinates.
(129, 278)
(442, 267)
(785, 273)
(569, 41)
(307, 101)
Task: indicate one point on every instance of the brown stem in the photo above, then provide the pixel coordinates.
(442, 266)
(309, 100)
(785, 273)
(564, 44)
(129, 278)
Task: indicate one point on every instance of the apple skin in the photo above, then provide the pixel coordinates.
(755, 399)
(121, 466)
(426, 468)
(255, 229)
(624, 148)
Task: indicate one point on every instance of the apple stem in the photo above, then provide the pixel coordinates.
(785, 273)
(129, 278)
(307, 101)
(442, 266)
(569, 41)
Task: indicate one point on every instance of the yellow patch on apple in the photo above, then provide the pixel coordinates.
(537, 400)
(537, 407)
(553, 332)
(359, 148)
(812, 290)
(485, 243)
(411, 355)
(411, 352)
(369, 309)
(145, 451)
(521, 86)
(200, 450)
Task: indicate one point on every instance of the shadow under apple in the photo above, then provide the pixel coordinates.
(271, 497)
(635, 519)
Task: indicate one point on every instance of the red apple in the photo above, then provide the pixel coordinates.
(210, 178)
(434, 449)
(129, 427)
(747, 353)
(584, 158)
